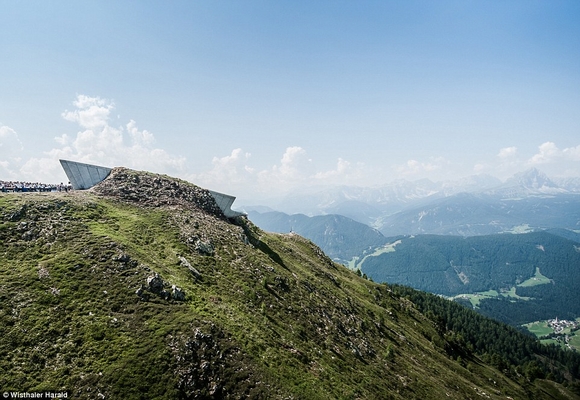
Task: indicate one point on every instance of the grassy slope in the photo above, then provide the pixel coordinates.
(270, 317)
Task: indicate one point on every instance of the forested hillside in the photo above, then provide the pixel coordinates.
(534, 276)
(501, 345)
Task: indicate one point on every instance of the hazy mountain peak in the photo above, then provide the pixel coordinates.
(533, 179)
(571, 184)
(530, 182)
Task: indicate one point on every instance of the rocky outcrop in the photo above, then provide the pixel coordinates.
(157, 286)
(153, 190)
(203, 247)
(210, 365)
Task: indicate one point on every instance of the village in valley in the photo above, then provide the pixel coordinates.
(557, 331)
(559, 325)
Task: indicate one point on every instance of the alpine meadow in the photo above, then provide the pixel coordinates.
(141, 288)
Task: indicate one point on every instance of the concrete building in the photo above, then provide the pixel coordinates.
(85, 176)
(224, 202)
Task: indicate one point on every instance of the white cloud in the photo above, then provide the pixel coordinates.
(91, 112)
(228, 171)
(342, 169)
(548, 152)
(10, 149)
(348, 173)
(9, 141)
(291, 163)
(572, 153)
(413, 169)
(556, 162)
(101, 143)
(507, 152)
(480, 168)
(44, 170)
(505, 164)
(232, 173)
(293, 170)
(97, 142)
(63, 140)
(549, 158)
(142, 138)
(230, 161)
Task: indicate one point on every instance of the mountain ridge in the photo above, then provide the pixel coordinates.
(340, 237)
(373, 205)
(140, 287)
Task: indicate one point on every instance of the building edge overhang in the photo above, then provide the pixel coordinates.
(84, 176)
(224, 202)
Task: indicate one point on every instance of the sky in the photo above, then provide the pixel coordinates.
(260, 98)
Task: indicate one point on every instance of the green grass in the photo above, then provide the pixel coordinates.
(352, 264)
(539, 328)
(558, 342)
(512, 294)
(542, 329)
(475, 298)
(575, 342)
(270, 317)
(388, 248)
(524, 228)
(537, 279)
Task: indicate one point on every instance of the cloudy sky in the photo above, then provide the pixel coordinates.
(261, 97)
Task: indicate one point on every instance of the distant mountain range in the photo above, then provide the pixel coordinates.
(478, 205)
(528, 201)
(467, 214)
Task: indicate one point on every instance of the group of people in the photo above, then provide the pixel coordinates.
(18, 186)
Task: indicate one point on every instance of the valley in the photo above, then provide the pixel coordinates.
(514, 278)
(563, 333)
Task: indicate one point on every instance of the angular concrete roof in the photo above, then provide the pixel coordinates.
(224, 202)
(85, 176)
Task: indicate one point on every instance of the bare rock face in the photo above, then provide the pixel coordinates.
(153, 190)
(177, 293)
(155, 284)
(204, 247)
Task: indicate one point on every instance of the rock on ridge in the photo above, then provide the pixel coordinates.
(155, 190)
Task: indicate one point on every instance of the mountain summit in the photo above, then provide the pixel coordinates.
(142, 288)
(532, 179)
(528, 183)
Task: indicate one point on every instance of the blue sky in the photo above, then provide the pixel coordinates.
(256, 98)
